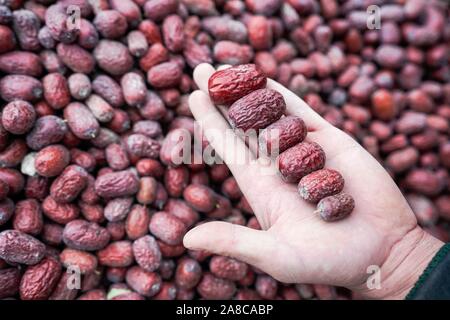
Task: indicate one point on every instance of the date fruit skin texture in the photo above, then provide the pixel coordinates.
(38, 281)
(300, 160)
(214, 288)
(10, 280)
(167, 227)
(84, 235)
(188, 273)
(69, 184)
(117, 254)
(19, 247)
(81, 121)
(320, 184)
(147, 253)
(229, 85)
(143, 282)
(335, 207)
(117, 184)
(257, 110)
(228, 268)
(200, 198)
(284, 134)
(85, 261)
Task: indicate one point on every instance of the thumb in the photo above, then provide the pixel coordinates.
(245, 244)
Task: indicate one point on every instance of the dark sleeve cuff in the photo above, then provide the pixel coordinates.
(434, 283)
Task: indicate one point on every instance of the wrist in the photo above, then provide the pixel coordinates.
(405, 263)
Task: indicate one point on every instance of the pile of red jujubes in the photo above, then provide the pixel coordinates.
(90, 110)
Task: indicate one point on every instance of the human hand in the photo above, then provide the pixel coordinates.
(295, 245)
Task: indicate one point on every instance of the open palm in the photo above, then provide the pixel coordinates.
(295, 245)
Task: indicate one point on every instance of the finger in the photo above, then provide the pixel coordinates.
(202, 73)
(248, 245)
(297, 107)
(224, 66)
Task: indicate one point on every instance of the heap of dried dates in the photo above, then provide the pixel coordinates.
(94, 92)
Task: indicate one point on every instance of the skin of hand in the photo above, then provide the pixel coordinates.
(295, 245)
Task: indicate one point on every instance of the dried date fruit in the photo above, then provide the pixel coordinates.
(147, 254)
(76, 58)
(141, 146)
(108, 89)
(156, 54)
(157, 10)
(10, 280)
(92, 212)
(28, 217)
(84, 261)
(137, 43)
(266, 286)
(79, 86)
(149, 128)
(116, 254)
(113, 57)
(117, 209)
(21, 62)
(20, 87)
(134, 89)
(18, 247)
(259, 33)
(16, 153)
(227, 268)
(196, 54)
(26, 27)
(58, 212)
(9, 42)
(213, 288)
(200, 197)
(147, 190)
(69, 184)
(52, 160)
(117, 157)
(257, 110)
(300, 160)
(84, 235)
(56, 22)
(81, 121)
(188, 273)
(13, 178)
(282, 135)
(143, 282)
(137, 221)
(56, 90)
(167, 228)
(172, 31)
(229, 85)
(47, 130)
(38, 281)
(183, 211)
(101, 109)
(335, 207)
(165, 75)
(320, 184)
(62, 290)
(111, 24)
